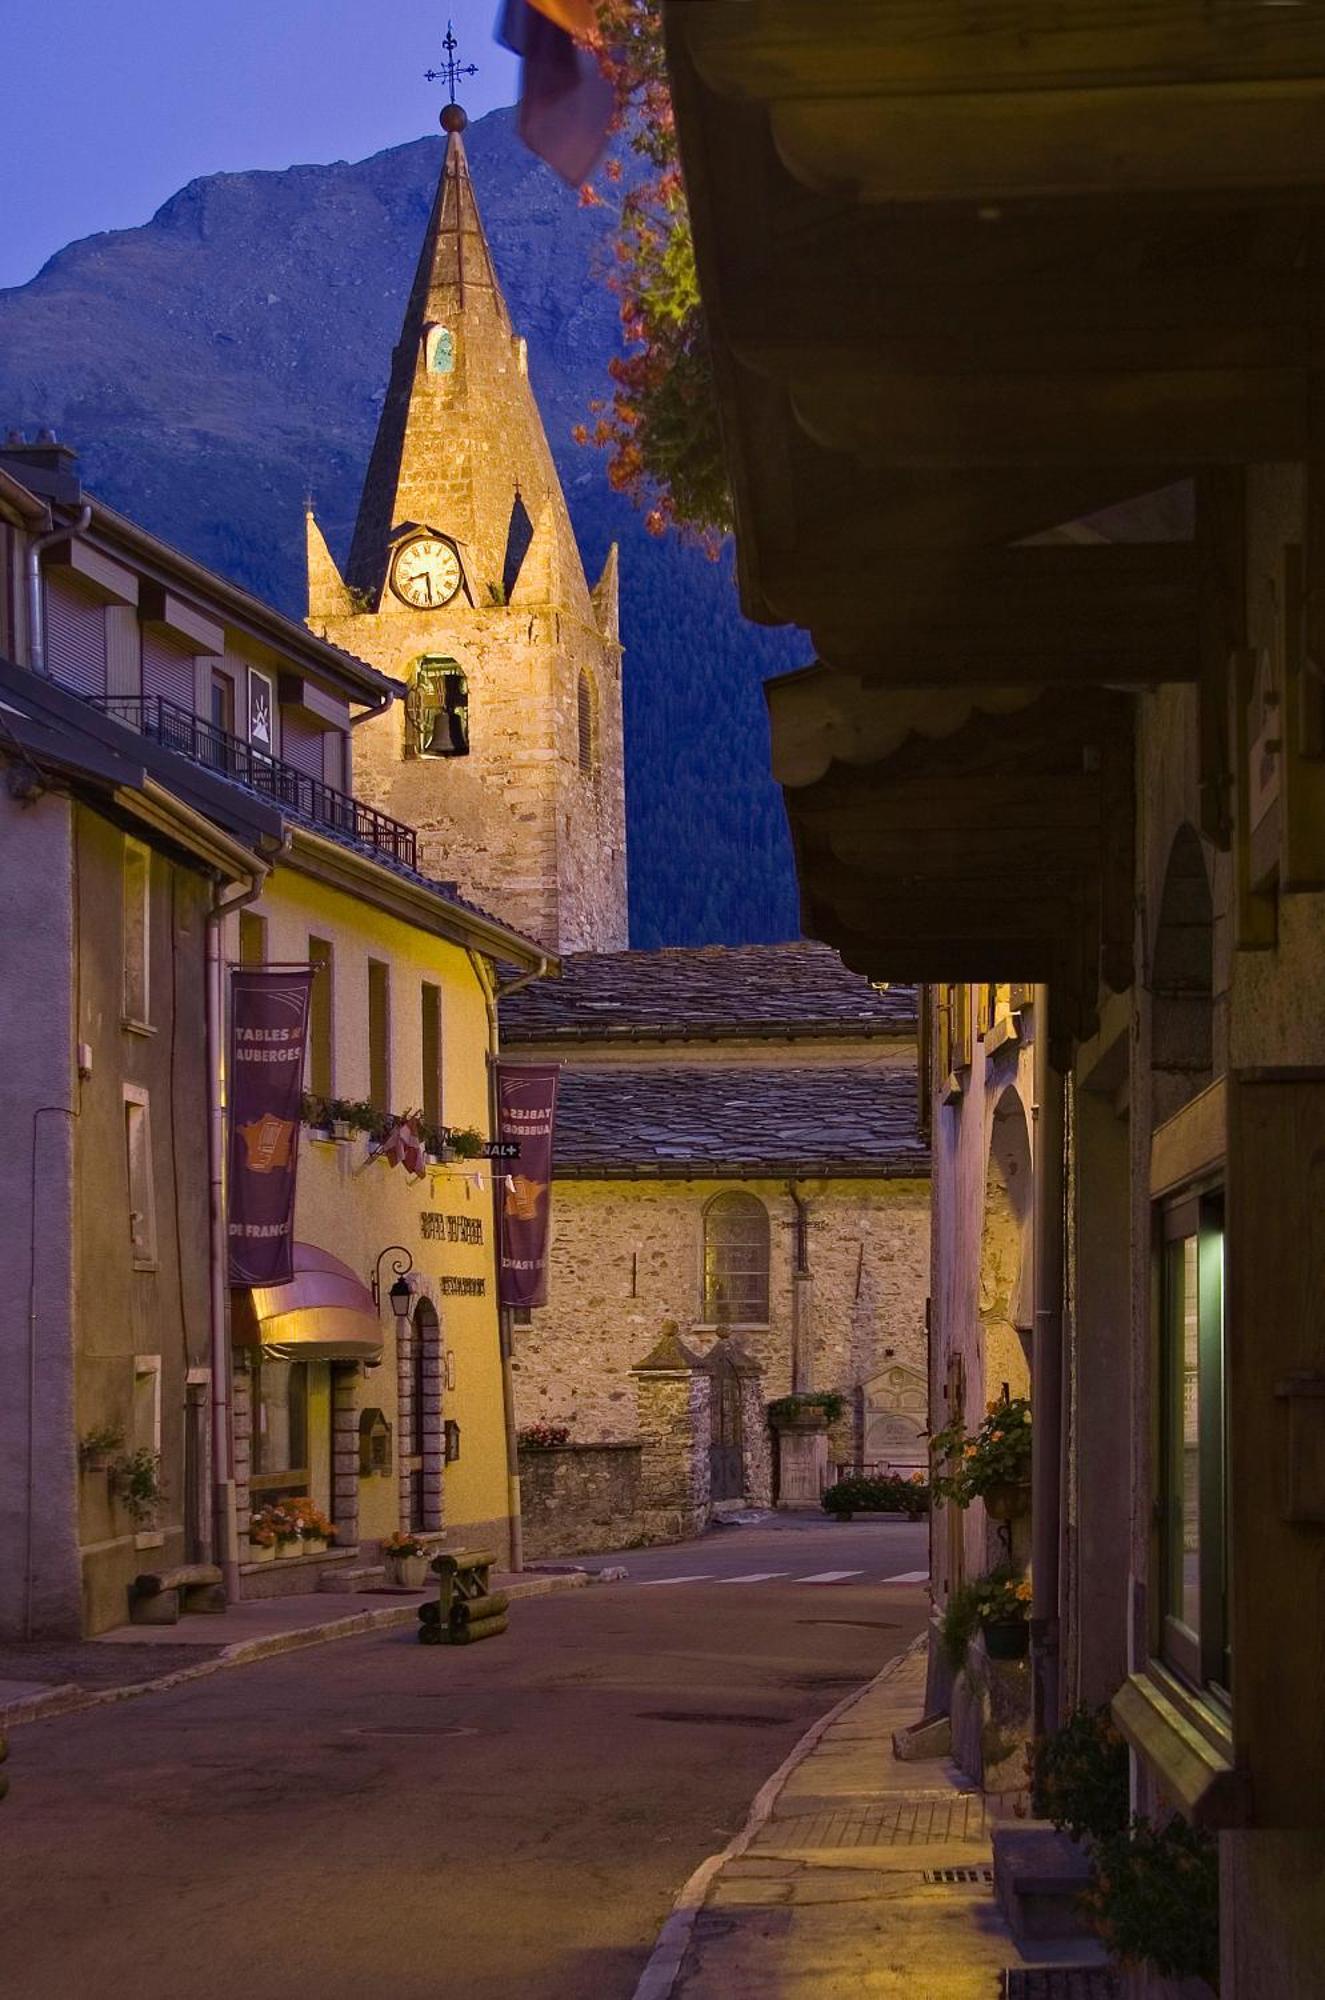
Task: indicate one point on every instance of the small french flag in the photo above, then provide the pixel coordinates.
(566, 102)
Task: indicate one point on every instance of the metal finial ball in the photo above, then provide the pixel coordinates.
(452, 118)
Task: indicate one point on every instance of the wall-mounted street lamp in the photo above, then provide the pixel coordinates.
(400, 1293)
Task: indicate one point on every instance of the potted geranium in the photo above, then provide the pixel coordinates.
(406, 1558)
(1003, 1603)
(286, 1528)
(262, 1535)
(994, 1465)
(315, 1530)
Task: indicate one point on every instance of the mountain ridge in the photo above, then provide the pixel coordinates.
(224, 360)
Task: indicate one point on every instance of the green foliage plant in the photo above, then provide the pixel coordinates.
(136, 1481)
(998, 1454)
(888, 1494)
(1001, 1596)
(101, 1442)
(660, 423)
(1078, 1775)
(1154, 1897)
(786, 1409)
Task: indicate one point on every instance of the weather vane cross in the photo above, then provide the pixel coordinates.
(450, 69)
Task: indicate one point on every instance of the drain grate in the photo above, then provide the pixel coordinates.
(943, 1878)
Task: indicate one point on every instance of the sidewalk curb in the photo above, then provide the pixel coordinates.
(69, 1698)
(660, 1974)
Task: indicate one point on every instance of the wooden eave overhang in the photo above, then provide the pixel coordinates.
(970, 274)
(982, 842)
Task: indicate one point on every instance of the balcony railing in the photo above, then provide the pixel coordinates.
(205, 743)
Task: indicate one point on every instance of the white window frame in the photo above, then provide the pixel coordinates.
(143, 1239)
(136, 880)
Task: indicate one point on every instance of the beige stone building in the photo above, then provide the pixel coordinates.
(738, 1158)
(464, 582)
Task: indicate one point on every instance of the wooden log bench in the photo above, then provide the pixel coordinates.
(467, 1608)
(157, 1597)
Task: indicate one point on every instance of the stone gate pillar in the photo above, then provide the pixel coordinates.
(674, 1401)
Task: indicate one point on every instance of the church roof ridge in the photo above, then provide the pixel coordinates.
(800, 989)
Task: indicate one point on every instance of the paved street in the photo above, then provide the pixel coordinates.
(379, 1816)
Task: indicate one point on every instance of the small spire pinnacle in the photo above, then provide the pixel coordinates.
(452, 117)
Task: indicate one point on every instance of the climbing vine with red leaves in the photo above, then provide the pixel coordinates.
(659, 425)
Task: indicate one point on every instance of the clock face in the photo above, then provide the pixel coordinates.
(425, 572)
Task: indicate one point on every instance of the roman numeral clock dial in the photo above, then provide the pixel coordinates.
(425, 572)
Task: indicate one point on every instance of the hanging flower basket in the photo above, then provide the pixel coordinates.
(1009, 1500)
(1007, 1638)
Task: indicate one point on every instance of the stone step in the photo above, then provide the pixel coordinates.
(347, 1580)
(1039, 1876)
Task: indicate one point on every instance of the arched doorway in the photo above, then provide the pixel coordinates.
(420, 1420)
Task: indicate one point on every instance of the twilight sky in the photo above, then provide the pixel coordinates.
(110, 105)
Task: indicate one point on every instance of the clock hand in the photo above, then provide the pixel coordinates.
(427, 584)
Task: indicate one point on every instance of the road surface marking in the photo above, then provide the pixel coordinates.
(755, 1576)
(656, 1582)
(909, 1576)
(831, 1576)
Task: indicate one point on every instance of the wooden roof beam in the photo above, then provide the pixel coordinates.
(1053, 613)
(887, 48)
(1183, 140)
(1040, 418)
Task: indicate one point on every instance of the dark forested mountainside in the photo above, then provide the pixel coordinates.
(229, 357)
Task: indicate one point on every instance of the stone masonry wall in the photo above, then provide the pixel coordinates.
(579, 1499)
(626, 1256)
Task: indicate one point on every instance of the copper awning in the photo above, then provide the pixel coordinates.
(325, 1313)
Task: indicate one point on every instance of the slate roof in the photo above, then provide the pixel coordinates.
(713, 993)
(758, 1122)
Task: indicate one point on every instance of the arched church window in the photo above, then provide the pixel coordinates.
(584, 721)
(736, 1260)
(437, 710)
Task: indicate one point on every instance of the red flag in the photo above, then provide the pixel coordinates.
(566, 103)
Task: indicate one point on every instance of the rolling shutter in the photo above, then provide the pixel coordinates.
(75, 638)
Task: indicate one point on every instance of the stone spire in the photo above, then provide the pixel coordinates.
(460, 431)
(526, 807)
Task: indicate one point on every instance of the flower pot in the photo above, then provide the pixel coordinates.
(407, 1572)
(262, 1552)
(341, 1128)
(290, 1548)
(314, 1545)
(96, 1461)
(1007, 1638)
(322, 1132)
(1009, 1502)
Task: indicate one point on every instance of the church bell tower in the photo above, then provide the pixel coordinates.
(465, 582)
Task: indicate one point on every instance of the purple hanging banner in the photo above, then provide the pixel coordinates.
(526, 1116)
(268, 1028)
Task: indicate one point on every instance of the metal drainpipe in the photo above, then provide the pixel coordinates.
(491, 995)
(219, 1529)
(36, 609)
(802, 1371)
(1046, 1375)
